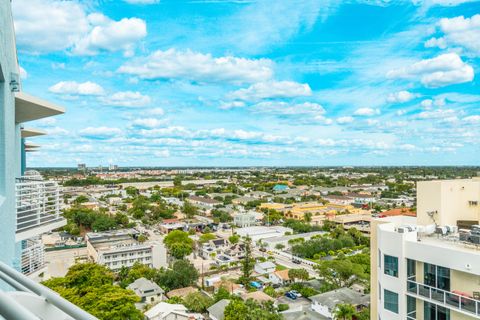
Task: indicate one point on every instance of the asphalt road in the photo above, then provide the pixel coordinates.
(287, 262)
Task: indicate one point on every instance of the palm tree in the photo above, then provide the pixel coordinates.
(344, 312)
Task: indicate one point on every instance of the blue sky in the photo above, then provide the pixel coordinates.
(252, 82)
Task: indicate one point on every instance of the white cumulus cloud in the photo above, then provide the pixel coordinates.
(126, 99)
(110, 35)
(195, 66)
(366, 112)
(100, 132)
(75, 88)
(148, 122)
(272, 89)
(43, 26)
(401, 97)
(346, 119)
(459, 31)
(443, 70)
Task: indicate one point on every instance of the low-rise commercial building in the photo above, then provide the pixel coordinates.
(117, 249)
(260, 232)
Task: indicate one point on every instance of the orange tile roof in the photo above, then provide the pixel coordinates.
(399, 212)
(282, 274)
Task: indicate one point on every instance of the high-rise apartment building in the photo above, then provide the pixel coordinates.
(428, 267)
(29, 205)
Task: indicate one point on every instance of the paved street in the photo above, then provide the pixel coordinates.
(287, 262)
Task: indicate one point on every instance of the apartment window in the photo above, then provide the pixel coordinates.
(473, 203)
(379, 258)
(411, 268)
(436, 276)
(391, 265)
(379, 291)
(433, 312)
(390, 301)
(411, 307)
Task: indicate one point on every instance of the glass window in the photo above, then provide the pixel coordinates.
(391, 265)
(433, 312)
(390, 301)
(411, 268)
(436, 276)
(411, 305)
(429, 274)
(443, 278)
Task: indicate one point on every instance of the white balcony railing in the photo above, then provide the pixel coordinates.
(33, 256)
(447, 299)
(32, 301)
(38, 204)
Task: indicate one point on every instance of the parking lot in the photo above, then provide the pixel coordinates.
(293, 304)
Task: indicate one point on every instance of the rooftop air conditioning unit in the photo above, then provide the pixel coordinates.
(452, 229)
(406, 229)
(464, 234)
(441, 230)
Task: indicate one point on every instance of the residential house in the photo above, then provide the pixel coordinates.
(147, 290)
(258, 296)
(243, 200)
(207, 202)
(361, 198)
(230, 286)
(341, 200)
(216, 311)
(326, 303)
(279, 277)
(264, 267)
(168, 311)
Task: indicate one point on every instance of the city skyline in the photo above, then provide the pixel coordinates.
(253, 83)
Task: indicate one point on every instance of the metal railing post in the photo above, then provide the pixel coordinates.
(50, 295)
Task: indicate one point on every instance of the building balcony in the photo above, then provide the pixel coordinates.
(28, 300)
(33, 256)
(448, 299)
(38, 205)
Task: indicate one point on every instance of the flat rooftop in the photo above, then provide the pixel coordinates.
(294, 236)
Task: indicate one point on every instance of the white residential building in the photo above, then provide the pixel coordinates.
(245, 219)
(428, 267)
(117, 249)
(264, 267)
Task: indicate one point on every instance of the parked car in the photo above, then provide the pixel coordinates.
(290, 295)
(296, 261)
(296, 293)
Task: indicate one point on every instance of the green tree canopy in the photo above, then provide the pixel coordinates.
(197, 302)
(189, 209)
(179, 244)
(344, 312)
(207, 237)
(182, 274)
(300, 274)
(90, 286)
